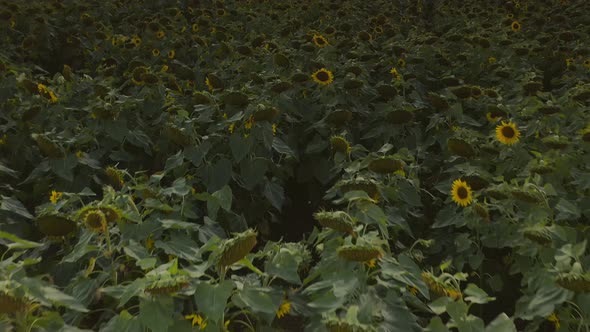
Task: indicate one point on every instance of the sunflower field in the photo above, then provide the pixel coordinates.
(301, 165)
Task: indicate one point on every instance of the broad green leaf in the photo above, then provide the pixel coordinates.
(439, 306)
(567, 210)
(8, 171)
(281, 147)
(240, 146)
(156, 313)
(212, 299)
(284, 265)
(218, 174)
(13, 205)
(180, 245)
(18, 242)
(407, 272)
(82, 248)
(477, 295)
(224, 197)
(275, 194)
(502, 323)
(176, 224)
(436, 325)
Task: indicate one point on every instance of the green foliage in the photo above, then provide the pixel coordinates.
(294, 166)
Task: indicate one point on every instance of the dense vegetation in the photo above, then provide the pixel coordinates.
(294, 165)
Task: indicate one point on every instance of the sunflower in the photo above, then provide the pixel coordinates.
(507, 133)
(171, 54)
(195, 27)
(55, 196)
(401, 62)
(515, 26)
(323, 77)
(569, 62)
(395, 74)
(160, 34)
(136, 40)
(319, 41)
(284, 309)
(197, 320)
(96, 221)
(156, 52)
(492, 60)
(461, 193)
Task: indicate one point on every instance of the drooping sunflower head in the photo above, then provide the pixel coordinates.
(323, 76)
(461, 193)
(319, 40)
(96, 221)
(236, 248)
(507, 133)
(515, 26)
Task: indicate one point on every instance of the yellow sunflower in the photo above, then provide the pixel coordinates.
(136, 40)
(171, 54)
(323, 77)
(461, 193)
(507, 133)
(319, 41)
(284, 309)
(515, 26)
(160, 34)
(156, 52)
(401, 62)
(587, 63)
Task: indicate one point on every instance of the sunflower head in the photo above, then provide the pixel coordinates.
(96, 221)
(236, 248)
(319, 40)
(323, 77)
(507, 133)
(171, 54)
(515, 26)
(461, 193)
(359, 253)
(336, 220)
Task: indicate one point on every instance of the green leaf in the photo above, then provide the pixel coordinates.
(64, 167)
(224, 197)
(448, 216)
(407, 272)
(542, 303)
(212, 299)
(408, 193)
(218, 174)
(275, 194)
(180, 245)
(284, 265)
(436, 325)
(13, 205)
(18, 242)
(156, 313)
(502, 323)
(240, 147)
(477, 295)
(281, 147)
(176, 224)
(8, 171)
(174, 161)
(439, 306)
(82, 248)
(567, 210)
